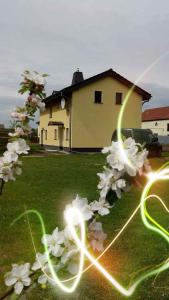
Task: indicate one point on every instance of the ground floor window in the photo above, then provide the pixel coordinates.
(55, 134)
(67, 134)
(46, 134)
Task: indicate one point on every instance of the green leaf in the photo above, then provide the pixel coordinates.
(45, 75)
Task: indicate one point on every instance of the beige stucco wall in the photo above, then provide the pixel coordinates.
(159, 127)
(58, 115)
(93, 124)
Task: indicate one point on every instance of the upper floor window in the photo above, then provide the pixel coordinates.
(55, 134)
(168, 127)
(98, 97)
(50, 112)
(119, 97)
(67, 134)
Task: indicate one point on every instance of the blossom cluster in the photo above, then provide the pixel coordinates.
(10, 165)
(61, 247)
(118, 171)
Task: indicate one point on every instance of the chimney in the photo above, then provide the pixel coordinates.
(77, 77)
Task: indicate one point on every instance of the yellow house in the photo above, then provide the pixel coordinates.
(83, 116)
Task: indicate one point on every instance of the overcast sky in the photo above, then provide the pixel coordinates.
(57, 36)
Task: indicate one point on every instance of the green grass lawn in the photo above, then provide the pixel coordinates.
(47, 185)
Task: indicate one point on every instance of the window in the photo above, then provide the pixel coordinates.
(46, 134)
(98, 97)
(156, 124)
(168, 127)
(119, 98)
(67, 134)
(50, 112)
(55, 134)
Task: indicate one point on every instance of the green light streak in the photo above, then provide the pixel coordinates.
(55, 278)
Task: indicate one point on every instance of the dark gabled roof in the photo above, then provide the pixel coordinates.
(109, 73)
(154, 114)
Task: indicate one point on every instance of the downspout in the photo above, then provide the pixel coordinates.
(70, 127)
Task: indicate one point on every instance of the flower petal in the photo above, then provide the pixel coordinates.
(42, 279)
(18, 287)
(10, 280)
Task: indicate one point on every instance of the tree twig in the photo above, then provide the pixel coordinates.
(7, 293)
(2, 186)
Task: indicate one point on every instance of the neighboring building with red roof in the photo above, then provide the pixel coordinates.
(156, 119)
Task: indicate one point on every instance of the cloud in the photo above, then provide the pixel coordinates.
(7, 105)
(58, 36)
(160, 95)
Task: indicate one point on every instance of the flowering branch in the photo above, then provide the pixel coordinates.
(63, 251)
(10, 166)
(116, 178)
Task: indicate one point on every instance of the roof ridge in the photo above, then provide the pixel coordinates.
(110, 72)
(153, 108)
(154, 114)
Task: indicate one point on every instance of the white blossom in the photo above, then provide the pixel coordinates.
(113, 177)
(101, 206)
(6, 172)
(46, 276)
(73, 267)
(19, 147)
(82, 205)
(54, 242)
(69, 251)
(96, 236)
(37, 102)
(105, 181)
(118, 186)
(35, 77)
(109, 177)
(10, 156)
(41, 260)
(20, 116)
(135, 156)
(19, 277)
(41, 105)
(67, 234)
(18, 132)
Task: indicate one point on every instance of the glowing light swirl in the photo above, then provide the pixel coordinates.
(162, 267)
(161, 174)
(80, 242)
(123, 107)
(54, 277)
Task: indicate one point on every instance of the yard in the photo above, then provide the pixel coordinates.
(47, 185)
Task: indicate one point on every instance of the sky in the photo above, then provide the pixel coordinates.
(59, 36)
